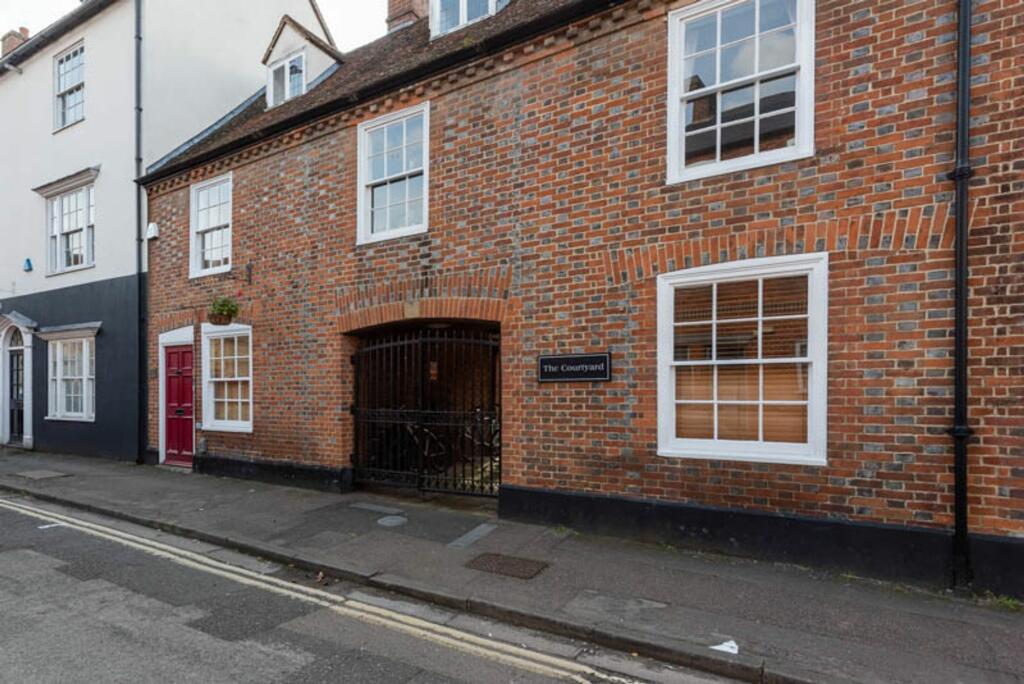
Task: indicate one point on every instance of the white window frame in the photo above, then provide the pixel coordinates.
(677, 172)
(364, 223)
(210, 423)
(435, 16)
(814, 451)
(284, 63)
(56, 405)
(55, 232)
(196, 269)
(59, 122)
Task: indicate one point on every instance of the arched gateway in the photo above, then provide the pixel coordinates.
(427, 407)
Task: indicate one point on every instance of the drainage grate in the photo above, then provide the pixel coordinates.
(509, 566)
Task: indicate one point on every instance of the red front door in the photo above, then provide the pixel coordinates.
(178, 409)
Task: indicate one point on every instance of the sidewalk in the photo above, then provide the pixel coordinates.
(790, 624)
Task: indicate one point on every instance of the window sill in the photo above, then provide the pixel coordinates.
(195, 275)
(768, 456)
(736, 165)
(66, 127)
(74, 269)
(237, 429)
(391, 235)
(68, 419)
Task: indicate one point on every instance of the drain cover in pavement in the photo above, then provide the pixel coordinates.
(41, 474)
(510, 566)
(392, 521)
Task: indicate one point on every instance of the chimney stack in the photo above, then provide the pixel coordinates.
(404, 12)
(12, 39)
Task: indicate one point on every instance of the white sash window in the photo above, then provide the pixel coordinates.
(72, 379)
(742, 360)
(72, 218)
(741, 86)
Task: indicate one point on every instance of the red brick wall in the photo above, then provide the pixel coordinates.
(549, 212)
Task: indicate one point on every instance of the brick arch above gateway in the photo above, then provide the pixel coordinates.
(478, 294)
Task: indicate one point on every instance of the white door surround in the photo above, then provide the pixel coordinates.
(173, 338)
(8, 324)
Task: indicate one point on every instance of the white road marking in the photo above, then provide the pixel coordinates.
(727, 647)
(50, 527)
(473, 536)
(488, 649)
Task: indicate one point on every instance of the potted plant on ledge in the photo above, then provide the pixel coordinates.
(222, 311)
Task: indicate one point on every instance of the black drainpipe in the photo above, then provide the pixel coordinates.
(961, 431)
(140, 296)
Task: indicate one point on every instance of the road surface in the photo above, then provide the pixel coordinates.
(89, 599)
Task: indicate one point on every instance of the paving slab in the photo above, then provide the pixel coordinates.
(791, 623)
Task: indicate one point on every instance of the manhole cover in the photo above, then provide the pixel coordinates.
(510, 566)
(392, 521)
(41, 474)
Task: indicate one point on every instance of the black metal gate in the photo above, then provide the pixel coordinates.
(428, 410)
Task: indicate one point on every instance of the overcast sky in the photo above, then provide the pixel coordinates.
(353, 22)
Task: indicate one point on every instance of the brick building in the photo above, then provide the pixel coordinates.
(745, 204)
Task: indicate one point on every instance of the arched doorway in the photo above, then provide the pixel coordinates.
(16, 387)
(16, 335)
(427, 407)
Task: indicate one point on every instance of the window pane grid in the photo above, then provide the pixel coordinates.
(755, 394)
(214, 247)
(212, 229)
(73, 378)
(748, 48)
(72, 229)
(396, 171)
(296, 82)
(71, 87)
(455, 13)
(230, 378)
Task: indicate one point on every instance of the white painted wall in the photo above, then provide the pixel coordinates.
(201, 59)
(35, 155)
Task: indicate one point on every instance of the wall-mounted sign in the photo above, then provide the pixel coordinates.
(575, 368)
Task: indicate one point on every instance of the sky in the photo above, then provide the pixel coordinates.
(353, 22)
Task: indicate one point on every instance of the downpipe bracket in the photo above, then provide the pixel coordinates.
(961, 173)
(960, 432)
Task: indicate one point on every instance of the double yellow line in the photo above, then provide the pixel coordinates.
(467, 642)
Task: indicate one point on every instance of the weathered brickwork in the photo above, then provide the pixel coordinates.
(549, 213)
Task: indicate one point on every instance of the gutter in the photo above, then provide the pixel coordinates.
(961, 430)
(572, 12)
(54, 32)
(140, 295)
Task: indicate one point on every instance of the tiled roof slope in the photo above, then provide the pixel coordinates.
(401, 57)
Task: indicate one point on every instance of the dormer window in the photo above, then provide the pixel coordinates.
(287, 79)
(450, 15)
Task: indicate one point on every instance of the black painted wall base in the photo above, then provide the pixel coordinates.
(998, 564)
(915, 555)
(287, 473)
